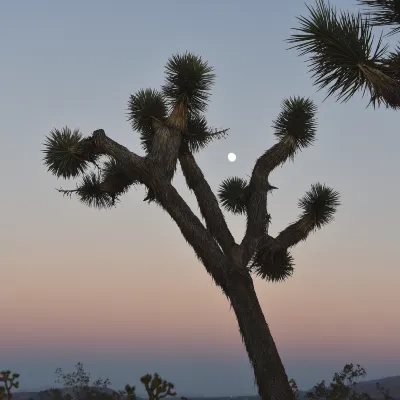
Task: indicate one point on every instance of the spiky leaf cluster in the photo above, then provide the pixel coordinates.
(91, 193)
(188, 81)
(149, 106)
(232, 195)
(319, 205)
(272, 265)
(65, 154)
(342, 54)
(114, 178)
(296, 123)
(383, 12)
(144, 108)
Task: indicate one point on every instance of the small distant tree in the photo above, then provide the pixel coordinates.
(10, 382)
(130, 392)
(295, 389)
(79, 382)
(156, 387)
(343, 386)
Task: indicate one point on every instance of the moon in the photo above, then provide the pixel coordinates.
(231, 157)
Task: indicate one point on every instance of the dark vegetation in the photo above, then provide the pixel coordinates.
(78, 386)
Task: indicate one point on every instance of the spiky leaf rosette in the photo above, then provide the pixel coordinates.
(114, 179)
(296, 124)
(342, 54)
(91, 192)
(199, 134)
(188, 81)
(232, 195)
(145, 107)
(319, 205)
(273, 266)
(65, 153)
(383, 12)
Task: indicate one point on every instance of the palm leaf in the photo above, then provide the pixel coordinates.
(383, 13)
(296, 123)
(188, 81)
(273, 266)
(66, 154)
(232, 195)
(342, 54)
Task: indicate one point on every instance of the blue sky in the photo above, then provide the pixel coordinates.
(120, 290)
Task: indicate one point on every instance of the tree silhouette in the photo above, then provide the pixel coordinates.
(156, 387)
(172, 127)
(10, 382)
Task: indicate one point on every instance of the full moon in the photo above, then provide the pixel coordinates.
(231, 157)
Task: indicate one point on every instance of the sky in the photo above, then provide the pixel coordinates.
(120, 290)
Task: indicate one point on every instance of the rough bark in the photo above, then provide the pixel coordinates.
(271, 378)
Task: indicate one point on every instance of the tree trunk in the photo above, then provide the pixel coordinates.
(271, 378)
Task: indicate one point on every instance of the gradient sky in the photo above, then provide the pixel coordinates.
(120, 290)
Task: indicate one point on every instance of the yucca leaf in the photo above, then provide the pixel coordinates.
(91, 193)
(296, 123)
(319, 205)
(65, 154)
(188, 81)
(383, 13)
(273, 266)
(232, 195)
(343, 56)
(114, 179)
(199, 135)
(144, 107)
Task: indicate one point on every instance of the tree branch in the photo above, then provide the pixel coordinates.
(257, 216)
(293, 234)
(205, 247)
(134, 166)
(207, 201)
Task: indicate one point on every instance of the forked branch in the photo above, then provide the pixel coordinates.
(206, 200)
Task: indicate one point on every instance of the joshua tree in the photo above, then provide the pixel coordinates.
(343, 55)
(156, 387)
(10, 382)
(172, 128)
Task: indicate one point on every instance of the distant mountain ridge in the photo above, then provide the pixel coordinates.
(391, 383)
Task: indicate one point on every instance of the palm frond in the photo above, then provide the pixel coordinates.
(296, 123)
(232, 195)
(144, 107)
(343, 56)
(273, 266)
(383, 13)
(188, 81)
(65, 153)
(199, 135)
(319, 205)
